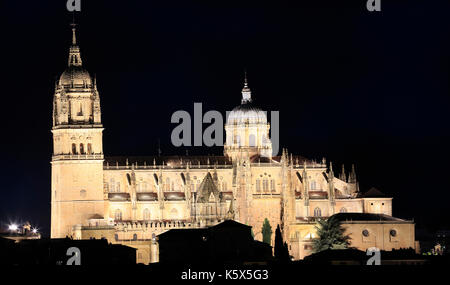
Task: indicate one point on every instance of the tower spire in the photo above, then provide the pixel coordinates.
(74, 51)
(245, 78)
(343, 176)
(352, 175)
(74, 34)
(246, 93)
(74, 29)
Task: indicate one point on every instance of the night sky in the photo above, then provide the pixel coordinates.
(352, 86)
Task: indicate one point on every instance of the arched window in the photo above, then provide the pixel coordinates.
(128, 178)
(81, 148)
(144, 186)
(89, 150)
(272, 185)
(112, 185)
(265, 185)
(237, 140)
(118, 215)
(252, 140)
(317, 212)
(174, 214)
(258, 185)
(80, 111)
(167, 186)
(343, 210)
(140, 185)
(134, 236)
(146, 215)
(313, 185)
(74, 148)
(118, 187)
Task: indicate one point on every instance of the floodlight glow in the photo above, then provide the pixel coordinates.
(13, 227)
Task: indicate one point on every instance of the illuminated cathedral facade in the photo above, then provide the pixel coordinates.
(130, 200)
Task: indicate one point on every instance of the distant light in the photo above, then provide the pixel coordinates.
(13, 227)
(34, 231)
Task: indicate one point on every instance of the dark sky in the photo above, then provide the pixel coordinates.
(351, 86)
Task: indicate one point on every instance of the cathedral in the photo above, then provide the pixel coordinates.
(131, 200)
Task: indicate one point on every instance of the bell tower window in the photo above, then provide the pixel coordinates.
(82, 148)
(74, 148)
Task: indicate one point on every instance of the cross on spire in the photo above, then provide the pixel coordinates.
(74, 51)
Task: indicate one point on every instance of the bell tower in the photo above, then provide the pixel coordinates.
(77, 160)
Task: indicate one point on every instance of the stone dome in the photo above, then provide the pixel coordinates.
(75, 73)
(247, 113)
(78, 74)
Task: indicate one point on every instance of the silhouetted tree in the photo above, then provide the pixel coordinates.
(281, 249)
(330, 235)
(266, 231)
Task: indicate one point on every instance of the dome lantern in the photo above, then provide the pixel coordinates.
(246, 93)
(75, 75)
(247, 130)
